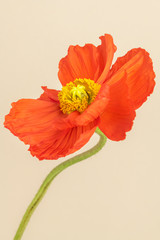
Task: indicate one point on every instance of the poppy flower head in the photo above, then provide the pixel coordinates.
(93, 94)
(77, 95)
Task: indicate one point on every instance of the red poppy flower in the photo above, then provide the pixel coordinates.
(93, 95)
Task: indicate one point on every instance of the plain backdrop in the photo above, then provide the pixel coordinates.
(114, 195)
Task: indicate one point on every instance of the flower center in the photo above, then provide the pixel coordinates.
(77, 95)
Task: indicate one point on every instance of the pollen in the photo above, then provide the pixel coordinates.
(77, 95)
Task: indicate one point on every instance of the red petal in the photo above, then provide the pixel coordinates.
(118, 116)
(49, 95)
(32, 120)
(64, 142)
(43, 126)
(81, 62)
(106, 51)
(140, 75)
(87, 62)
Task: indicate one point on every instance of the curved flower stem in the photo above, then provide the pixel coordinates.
(43, 188)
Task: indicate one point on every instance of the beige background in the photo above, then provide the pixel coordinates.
(115, 195)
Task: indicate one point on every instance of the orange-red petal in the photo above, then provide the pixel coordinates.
(81, 62)
(87, 62)
(140, 75)
(106, 52)
(41, 124)
(118, 116)
(64, 142)
(32, 119)
(49, 94)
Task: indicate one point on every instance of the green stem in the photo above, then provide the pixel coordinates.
(43, 188)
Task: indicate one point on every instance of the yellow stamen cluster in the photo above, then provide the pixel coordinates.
(77, 95)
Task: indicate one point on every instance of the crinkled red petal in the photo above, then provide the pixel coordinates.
(43, 126)
(106, 52)
(87, 62)
(140, 75)
(32, 119)
(119, 114)
(49, 94)
(62, 143)
(81, 62)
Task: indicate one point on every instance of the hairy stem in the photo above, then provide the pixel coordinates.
(43, 188)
